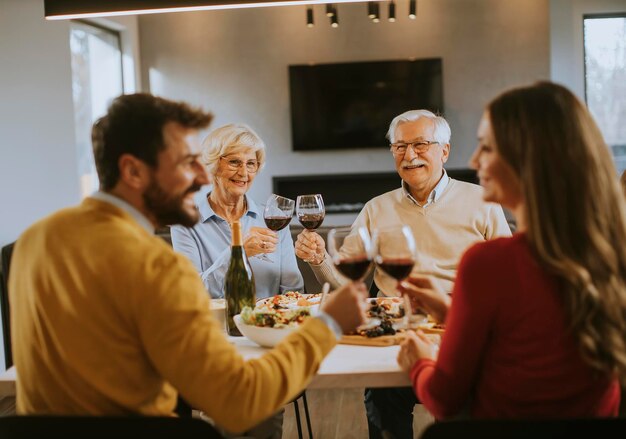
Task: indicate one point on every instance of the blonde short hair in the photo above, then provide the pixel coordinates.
(230, 139)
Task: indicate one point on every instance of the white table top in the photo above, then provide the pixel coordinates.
(345, 366)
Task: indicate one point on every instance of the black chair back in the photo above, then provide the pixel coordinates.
(22, 427)
(5, 263)
(535, 429)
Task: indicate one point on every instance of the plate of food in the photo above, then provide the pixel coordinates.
(386, 324)
(273, 319)
(290, 300)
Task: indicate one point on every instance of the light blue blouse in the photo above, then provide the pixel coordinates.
(207, 245)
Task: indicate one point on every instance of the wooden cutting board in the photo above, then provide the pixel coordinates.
(387, 340)
(383, 340)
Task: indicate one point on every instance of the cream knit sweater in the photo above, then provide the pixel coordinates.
(443, 230)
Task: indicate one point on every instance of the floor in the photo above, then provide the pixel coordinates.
(340, 414)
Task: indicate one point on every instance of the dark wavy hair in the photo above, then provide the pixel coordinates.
(134, 125)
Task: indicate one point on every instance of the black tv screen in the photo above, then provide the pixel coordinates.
(350, 105)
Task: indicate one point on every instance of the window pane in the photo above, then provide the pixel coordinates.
(96, 79)
(605, 80)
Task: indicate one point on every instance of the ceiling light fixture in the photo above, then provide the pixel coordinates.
(392, 11)
(309, 17)
(412, 9)
(376, 18)
(334, 20)
(370, 10)
(69, 9)
(329, 10)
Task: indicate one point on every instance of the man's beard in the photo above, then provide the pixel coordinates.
(168, 209)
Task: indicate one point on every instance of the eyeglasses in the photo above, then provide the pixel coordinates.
(418, 147)
(235, 164)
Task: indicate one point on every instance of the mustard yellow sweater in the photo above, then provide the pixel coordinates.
(107, 319)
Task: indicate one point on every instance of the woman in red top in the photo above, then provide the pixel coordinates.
(537, 324)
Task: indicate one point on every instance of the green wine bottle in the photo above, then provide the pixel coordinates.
(239, 289)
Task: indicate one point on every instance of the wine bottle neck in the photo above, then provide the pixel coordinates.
(236, 228)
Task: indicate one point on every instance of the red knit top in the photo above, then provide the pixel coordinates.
(507, 352)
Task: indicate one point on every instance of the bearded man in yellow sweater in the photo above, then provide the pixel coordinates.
(107, 320)
(446, 217)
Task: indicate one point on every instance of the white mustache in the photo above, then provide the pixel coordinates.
(414, 162)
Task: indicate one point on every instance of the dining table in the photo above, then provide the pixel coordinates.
(346, 366)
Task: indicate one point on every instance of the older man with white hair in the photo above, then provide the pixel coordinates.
(445, 215)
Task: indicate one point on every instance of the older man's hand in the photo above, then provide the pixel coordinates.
(347, 305)
(310, 247)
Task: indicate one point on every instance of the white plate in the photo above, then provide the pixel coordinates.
(266, 337)
(313, 299)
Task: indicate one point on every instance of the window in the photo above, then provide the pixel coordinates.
(96, 80)
(605, 79)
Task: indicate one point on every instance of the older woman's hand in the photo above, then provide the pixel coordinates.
(260, 240)
(426, 296)
(310, 247)
(415, 346)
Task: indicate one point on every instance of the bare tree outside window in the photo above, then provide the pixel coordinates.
(96, 80)
(605, 79)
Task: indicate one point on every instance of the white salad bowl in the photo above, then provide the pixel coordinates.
(263, 336)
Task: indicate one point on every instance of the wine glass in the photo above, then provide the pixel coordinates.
(310, 211)
(395, 255)
(351, 251)
(277, 215)
(278, 212)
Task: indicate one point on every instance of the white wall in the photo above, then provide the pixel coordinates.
(235, 64)
(38, 169)
(566, 38)
(37, 157)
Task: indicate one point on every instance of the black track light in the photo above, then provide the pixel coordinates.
(370, 10)
(412, 9)
(309, 17)
(334, 20)
(392, 11)
(376, 17)
(330, 10)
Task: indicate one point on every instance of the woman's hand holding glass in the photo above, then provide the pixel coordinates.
(260, 240)
(425, 295)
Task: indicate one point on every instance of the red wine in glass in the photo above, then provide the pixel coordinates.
(310, 211)
(398, 268)
(277, 223)
(351, 251)
(354, 268)
(278, 212)
(311, 221)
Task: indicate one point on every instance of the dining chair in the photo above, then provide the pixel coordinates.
(296, 409)
(536, 429)
(5, 263)
(22, 427)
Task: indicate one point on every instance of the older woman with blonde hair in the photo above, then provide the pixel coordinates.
(537, 322)
(233, 155)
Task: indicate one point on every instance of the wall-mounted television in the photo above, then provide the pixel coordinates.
(350, 105)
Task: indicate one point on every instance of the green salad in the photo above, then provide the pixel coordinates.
(279, 318)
